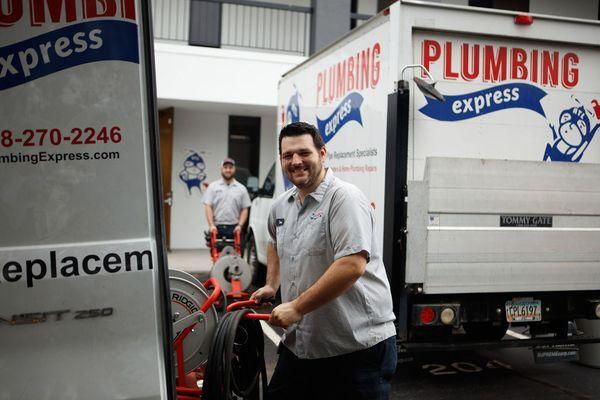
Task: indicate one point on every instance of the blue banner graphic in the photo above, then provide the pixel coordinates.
(66, 48)
(348, 110)
(293, 107)
(465, 106)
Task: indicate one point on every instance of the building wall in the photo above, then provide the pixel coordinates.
(207, 134)
(203, 74)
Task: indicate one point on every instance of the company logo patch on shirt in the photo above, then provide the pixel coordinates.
(279, 222)
(316, 215)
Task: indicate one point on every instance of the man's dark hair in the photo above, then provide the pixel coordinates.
(299, 129)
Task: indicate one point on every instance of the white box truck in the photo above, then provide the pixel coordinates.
(487, 203)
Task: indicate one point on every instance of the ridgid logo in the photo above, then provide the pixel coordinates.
(571, 131)
(84, 40)
(341, 85)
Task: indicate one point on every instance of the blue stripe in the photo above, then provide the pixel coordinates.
(348, 110)
(119, 43)
(470, 105)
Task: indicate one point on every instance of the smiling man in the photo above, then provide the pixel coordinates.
(336, 302)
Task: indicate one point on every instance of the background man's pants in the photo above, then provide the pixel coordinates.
(227, 232)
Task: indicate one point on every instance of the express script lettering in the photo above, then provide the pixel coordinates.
(477, 103)
(24, 61)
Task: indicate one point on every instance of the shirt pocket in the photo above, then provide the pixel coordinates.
(218, 196)
(316, 240)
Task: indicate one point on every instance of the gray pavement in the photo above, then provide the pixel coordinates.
(192, 261)
(499, 374)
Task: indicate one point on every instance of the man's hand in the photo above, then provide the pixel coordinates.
(213, 228)
(264, 293)
(284, 315)
(238, 228)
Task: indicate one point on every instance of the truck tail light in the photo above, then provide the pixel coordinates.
(436, 314)
(447, 316)
(597, 310)
(427, 315)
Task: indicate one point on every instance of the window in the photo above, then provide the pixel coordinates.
(244, 146)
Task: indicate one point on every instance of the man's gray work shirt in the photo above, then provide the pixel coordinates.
(227, 201)
(334, 221)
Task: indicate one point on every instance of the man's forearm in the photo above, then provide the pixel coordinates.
(243, 217)
(272, 267)
(209, 215)
(338, 278)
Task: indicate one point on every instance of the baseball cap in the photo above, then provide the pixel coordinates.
(228, 161)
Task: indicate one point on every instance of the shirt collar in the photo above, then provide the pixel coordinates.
(223, 183)
(319, 192)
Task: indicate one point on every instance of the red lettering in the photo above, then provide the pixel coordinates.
(364, 69)
(324, 91)
(11, 13)
(55, 11)
(494, 66)
(319, 85)
(375, 65)
(534, 66)
(430, 52)
(448, 73)
(550, 68)
(128, 9)
(341, 79)
(465, 71)
(519, 61)
(331, 92)
(108, 8)
(350, 85)
(570, 72)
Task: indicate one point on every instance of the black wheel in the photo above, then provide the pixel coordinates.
(259, 271)
(485, 330)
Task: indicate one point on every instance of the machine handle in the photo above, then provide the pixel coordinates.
(244, 304)
(263, 317)
(214, 296)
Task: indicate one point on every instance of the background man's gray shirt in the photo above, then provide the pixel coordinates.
(335, 220)
(227, 201)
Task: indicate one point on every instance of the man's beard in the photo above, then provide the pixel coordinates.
(227, 177)
(313, 171)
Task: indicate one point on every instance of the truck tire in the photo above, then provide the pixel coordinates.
(485, 331)
(259, 271)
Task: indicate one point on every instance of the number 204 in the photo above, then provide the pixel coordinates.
(462, 367)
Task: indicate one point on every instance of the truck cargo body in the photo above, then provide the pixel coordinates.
(487, 203)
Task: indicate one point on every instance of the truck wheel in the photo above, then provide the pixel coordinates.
(259, 271)
(485, 331)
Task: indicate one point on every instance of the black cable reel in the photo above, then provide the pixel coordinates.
(236, 364)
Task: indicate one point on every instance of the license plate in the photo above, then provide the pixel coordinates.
(523, 310)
